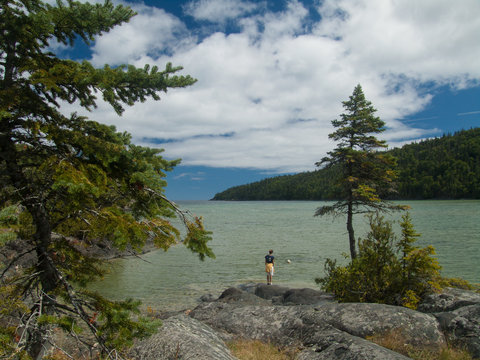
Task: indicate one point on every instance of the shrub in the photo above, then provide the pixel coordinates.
(385, 270)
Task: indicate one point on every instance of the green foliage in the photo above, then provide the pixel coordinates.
(386, 270)
(365, 173)
(317, 185)
(66, 323)
(115, 325)
(197, 238)
(442, 168)
(9, 221)
(68, 184)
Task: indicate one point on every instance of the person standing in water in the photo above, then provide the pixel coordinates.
(269, 264)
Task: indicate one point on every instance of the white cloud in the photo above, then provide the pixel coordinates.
(197, 176)
(469, 113)
(266, 96)
(218, 11)
(425, 40)
(148, 35)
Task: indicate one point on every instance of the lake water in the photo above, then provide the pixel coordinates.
(243, 232)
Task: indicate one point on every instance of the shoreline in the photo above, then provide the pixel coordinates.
(314, 324)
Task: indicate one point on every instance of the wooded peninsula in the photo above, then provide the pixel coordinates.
(446, 167)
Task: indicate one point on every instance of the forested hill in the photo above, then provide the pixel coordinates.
(442, 168)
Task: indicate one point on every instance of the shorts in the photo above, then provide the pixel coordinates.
(269, 268)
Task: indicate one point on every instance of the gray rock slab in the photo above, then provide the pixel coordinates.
(462, 327)
(276, 324)
(182, 337)
(323, 341)
(238, 296)
(269, 291)
(448, 300)
(306, 296)
(363, 319)
(324, 331)
(347, 347)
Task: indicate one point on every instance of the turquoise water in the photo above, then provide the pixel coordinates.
(244, 231)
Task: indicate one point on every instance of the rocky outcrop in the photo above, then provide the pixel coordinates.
(289, 326)
(182, 337)
(324, 330)
(458, 312)
(315, 324)
(448, 300)
(462, 327)
(363, 320)
(286, 296)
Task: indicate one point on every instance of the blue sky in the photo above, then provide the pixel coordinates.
(272, 75)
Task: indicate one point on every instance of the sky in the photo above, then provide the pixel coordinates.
(272, 75)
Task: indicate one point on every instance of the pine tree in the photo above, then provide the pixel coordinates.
(68, 183)
(366, 172)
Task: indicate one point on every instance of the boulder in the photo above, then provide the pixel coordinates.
(269, 292)
(462, 327)
(238, 296)
(182, 337)
(364, 319)
(306, 297)
(448, 300)
(285, 296)
(266, 323)
(207, 298)
(328, 343)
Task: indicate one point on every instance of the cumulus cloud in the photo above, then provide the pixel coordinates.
(266, 95)
(148, 35)
(218, 11)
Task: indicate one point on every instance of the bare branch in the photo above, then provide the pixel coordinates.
(18, 257)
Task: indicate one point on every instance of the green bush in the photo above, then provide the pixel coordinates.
(386, 270)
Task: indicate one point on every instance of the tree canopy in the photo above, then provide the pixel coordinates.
(365, 172)
(67, 183)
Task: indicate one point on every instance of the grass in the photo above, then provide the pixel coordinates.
(258, 350)
(394, 340)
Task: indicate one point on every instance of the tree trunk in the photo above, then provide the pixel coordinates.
(351, 235)
(42, 296)
(36, 339)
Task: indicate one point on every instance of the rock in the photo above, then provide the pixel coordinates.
(269, 292)
(239, 296)
(266, 323)
(314, 323)
(330, 343)
(462, 327)
(363, 319)
(450, 299)
(248, 287)
(325, 330)
(182, 337)
(306, 297)
(208, 298)
(282, 295)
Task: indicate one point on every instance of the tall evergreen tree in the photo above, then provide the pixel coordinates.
(67, 183)
(365, 172)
